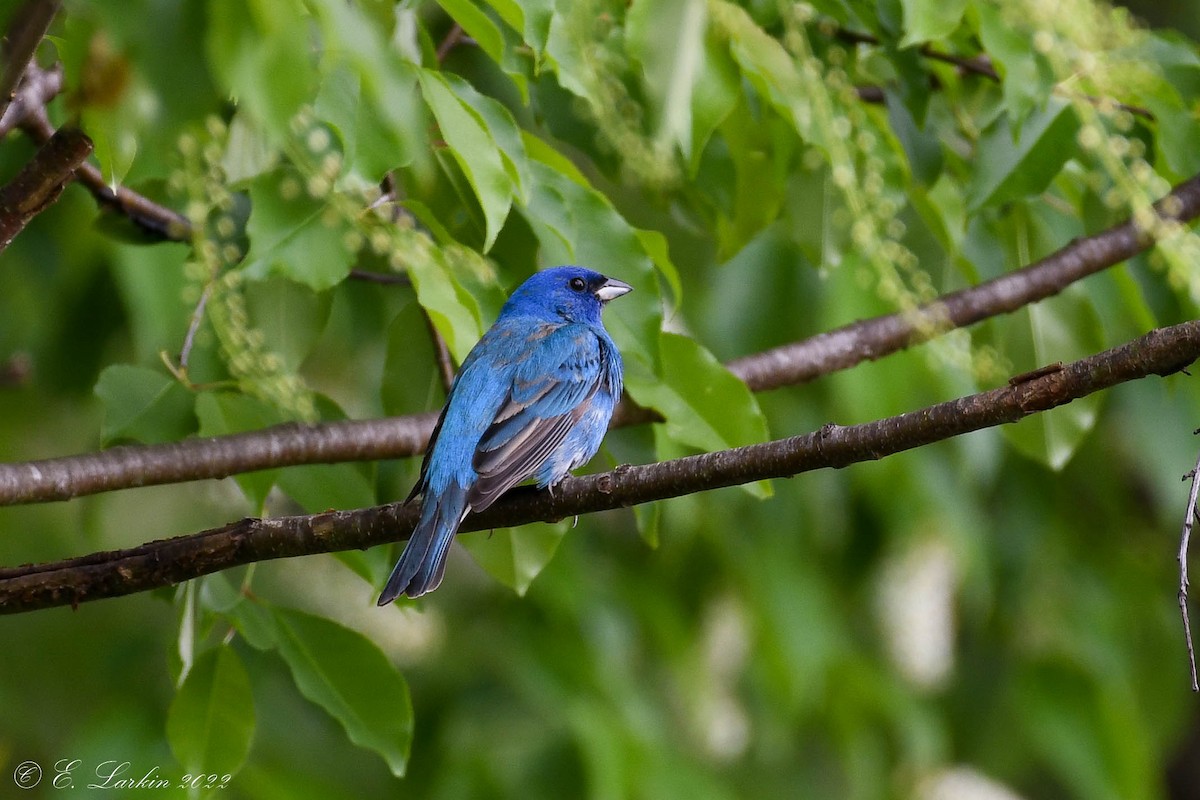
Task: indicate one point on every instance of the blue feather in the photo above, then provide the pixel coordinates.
(532, 400)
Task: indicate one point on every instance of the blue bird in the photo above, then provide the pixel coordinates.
(532, 400)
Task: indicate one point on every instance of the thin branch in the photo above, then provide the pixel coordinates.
(1189, 519)
(38, 88)
(450, 42)
(441, 353)
(152, 218)
(161, 563)
(189, 339)
(980, 65)
(874, 338)
(40, 182)
(382, 278)
(26, 30)
(217, 457)
(289, 445)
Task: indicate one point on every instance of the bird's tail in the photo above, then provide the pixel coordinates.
(423, 562)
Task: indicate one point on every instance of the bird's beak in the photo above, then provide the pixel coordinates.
(612, 288)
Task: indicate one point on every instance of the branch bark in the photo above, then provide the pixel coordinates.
(161, 563)
(151, 217)
(26, 30)
(398, 437)
(41, 181)
(874, 338)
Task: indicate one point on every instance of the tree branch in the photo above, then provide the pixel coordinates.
(39, 87)
(154, 219)
(26, 30)
(874, 338)
(217, 457)
(441, 354)
(397, 437)
(40, 182)
(161, 563)
(980, 65)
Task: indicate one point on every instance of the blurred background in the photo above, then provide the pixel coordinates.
(989, 617)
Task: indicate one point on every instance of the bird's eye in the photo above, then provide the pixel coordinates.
(577, 284)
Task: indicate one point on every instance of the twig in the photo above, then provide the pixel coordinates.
(185, 352)
(441, 353)
(38, 88)
(41, 181)
(975, 65)
(871, 339)
(161, 563)
(383, 278)
(450, 42)
(219, 457)
(1189, 518)
(154, 219)
(26, 30)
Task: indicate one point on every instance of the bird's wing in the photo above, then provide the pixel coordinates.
(550, 391)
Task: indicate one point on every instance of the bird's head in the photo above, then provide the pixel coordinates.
(573, 294)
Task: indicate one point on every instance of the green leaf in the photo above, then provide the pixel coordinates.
(530, 18)
(922, 148)
(211, 720)
(369, 86)
(347, 675)
(290, 316)
(715, 95)
(151, 282)
(410, 383)
(370, 149)
(261, 53)
(515, 556)
(501, 127)
(667, 38)
(252, 618)
(1028, 80)
(706, 407)
(223, 413)
(930, 20)
(655, 245)
(488, 36)
(1008, 167)
(475, 150)
(321, 487)
(638, 444)
(295, 235)
(1178, 132)
(477, 25)
(1062, 328)
(452, 308)
(766, 64)
(143, 405)
(758, 190)
(248, 152)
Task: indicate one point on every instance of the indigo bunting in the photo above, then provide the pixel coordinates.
(532, 400)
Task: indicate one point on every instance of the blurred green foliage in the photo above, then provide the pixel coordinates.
(990, 614)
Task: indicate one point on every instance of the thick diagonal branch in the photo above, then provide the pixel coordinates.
(40, 182)
(290, 445)
(162, 563)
